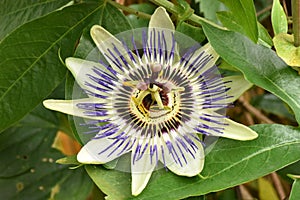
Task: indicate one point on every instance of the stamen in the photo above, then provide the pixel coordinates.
(142, 86)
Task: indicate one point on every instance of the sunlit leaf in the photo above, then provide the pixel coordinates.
(284, 45)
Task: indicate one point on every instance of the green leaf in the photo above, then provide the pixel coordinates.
(295, 193)
(112, 19)
(228, 20)
(192, 31)
(242, 15)
(260, 65)
(13, 15)
(264, 37)
(28, 169)
(30, 66)
(210, 8)
(138, 22)
(278, 18)
(230, 163)
(115, 184)
(69, 160)
(284, 45)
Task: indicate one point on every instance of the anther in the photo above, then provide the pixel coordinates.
(168, 87)
(142, 86)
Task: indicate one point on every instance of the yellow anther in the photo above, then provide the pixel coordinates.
(179, 89)
(130, 83)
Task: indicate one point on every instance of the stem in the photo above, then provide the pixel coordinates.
(199, 20)
(129, 10)
(177, 10)
(296, 21)
(168, 5)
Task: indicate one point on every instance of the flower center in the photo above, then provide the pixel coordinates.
(153, 100)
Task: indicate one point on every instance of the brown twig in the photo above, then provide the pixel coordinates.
(278, 185)
(244, 194)
(255, 111)
(285, 8)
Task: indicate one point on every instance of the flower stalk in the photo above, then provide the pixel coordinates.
(296, 21)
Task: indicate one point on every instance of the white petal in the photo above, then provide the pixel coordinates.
(203, 59)
(161, 38)
(141, 167)
(218, 125)
(106, 42)
(238, 131)
(238, 85)
(84, 71)
(70, 107)
(190, 163)
(160, 19)
(100, 151)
